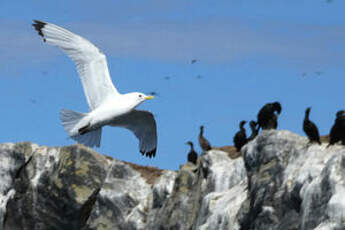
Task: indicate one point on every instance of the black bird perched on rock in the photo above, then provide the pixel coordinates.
(255, 130)
(267, 118)
(337, 132)
(192, 155)
(240, 137)
(310, 128)
(204, 144)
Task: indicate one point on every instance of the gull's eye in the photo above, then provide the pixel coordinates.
(140, 95)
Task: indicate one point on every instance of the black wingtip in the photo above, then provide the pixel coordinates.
(38, 26)
(150, 153)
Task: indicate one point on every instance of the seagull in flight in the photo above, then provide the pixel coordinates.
(107, 105)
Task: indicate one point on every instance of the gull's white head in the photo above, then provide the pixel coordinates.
(136, 98)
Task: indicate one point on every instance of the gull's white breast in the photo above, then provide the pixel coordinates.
(111, 108)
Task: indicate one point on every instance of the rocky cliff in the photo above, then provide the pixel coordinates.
(280, 182)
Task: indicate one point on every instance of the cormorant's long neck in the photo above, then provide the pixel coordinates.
(191, 146)
(306, 115)
(201, 132)
(242, 128)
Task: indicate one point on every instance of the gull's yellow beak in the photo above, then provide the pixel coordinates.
(149, 97)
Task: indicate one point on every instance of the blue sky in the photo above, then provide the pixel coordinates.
(249, 53)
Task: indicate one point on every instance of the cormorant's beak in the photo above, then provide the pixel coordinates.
(149, 97)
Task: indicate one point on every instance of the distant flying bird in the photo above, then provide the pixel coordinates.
(240, 138)
(33, 101)
(337, 132)
(198, 76)
(255, 130)
(194, 61)
(203, 142)
(267, 118)
(107, 105)
(166, 78)
(153, 93)
(310, 128)
(192, 155)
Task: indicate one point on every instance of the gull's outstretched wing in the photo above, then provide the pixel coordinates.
(143, 125)
(91, 62)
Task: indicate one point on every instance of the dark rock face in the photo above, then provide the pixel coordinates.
(185, 197)
(290, 183)
(47, 188)
(13, 158)
(65, 188)
(280, 183)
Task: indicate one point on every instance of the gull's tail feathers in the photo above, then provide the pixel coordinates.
(73, 121)
(91, 138)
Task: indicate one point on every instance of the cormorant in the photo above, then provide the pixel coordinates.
(240, 137)
(255, 130)
(204, 144)
(267, 119)
(192, 155)
(337, 132)
(310, 128)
